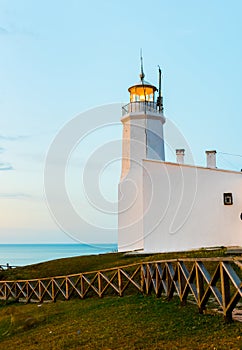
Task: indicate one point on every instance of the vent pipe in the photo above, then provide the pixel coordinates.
(211, 159)
(180, 153)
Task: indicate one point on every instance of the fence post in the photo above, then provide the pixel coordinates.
(82, 286)
(200, 288)
(120, 282)
(53, 290)
(142, 282)
(100, 285)
(225, 288)
(182, 284)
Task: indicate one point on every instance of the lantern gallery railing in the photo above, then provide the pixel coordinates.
(208, 281)
(144, 106)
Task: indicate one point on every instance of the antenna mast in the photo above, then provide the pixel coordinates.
(142, 75)
(159, 98)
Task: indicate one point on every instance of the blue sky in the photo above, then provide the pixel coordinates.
(61, 58)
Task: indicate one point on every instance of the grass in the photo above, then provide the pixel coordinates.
(62, 267)
(131, 322)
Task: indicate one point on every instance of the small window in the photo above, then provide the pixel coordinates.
(228, 199)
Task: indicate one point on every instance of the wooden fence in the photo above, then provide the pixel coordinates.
(6, 267)
(208, 281)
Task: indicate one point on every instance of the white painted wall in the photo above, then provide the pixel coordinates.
(130, 211)
(134, 141)
(142, 137)
(130, 189)
(155, 138)
(186, 209)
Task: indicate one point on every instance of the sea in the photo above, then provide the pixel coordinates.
(28, 254)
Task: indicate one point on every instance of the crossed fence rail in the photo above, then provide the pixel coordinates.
(219, 279)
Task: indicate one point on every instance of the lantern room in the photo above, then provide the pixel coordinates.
(142, 92)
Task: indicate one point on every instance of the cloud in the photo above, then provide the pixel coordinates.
(3, 31)
(12, 138)
(21, 196)
(16, 195)
(5, 167)
(2, 149)
(18, 31)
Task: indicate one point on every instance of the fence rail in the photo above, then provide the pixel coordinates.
(216, 279)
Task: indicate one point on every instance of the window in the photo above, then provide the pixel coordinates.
(228, 199)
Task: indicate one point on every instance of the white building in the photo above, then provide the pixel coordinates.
(166, 206)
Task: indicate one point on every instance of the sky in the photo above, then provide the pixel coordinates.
(62, 61)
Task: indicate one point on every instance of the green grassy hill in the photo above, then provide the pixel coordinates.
(67, 266)
(131, 322)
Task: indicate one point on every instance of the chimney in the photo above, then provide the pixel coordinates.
(211, 159)
(180, 153)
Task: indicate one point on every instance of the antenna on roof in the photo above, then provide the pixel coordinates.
(142, 75)
(159, 98)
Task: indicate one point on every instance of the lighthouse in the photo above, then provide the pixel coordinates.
(143, 138)
(169, 206)
(143, 121)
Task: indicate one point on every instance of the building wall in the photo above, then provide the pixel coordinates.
(184, 207)
(130, 211)
(142, 135)
(134, 142)
(155, 138)
(142, 139)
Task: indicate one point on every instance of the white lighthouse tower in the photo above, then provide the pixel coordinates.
(142, 121)
(171, 206)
